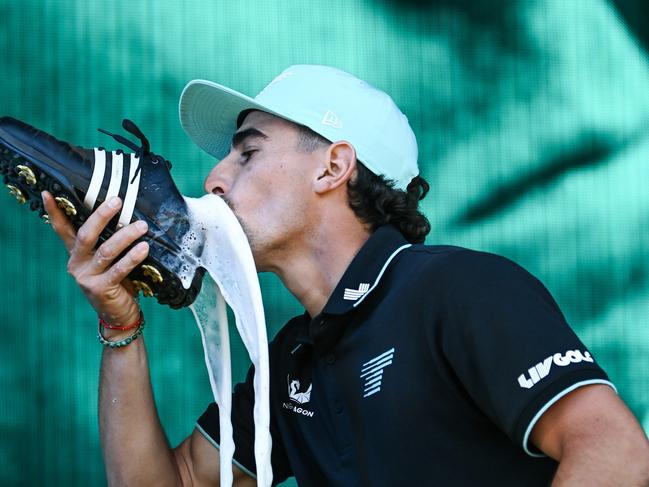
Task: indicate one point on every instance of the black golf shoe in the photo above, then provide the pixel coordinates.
(81, 179)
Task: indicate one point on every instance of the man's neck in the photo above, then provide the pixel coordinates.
(312, 272)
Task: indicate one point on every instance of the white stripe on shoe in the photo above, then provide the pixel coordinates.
(115, 176)
(96, 180)
(131, 192)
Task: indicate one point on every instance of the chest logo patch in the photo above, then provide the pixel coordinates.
(355, 294)
(298, 397)
(294, 393)
(372, 372)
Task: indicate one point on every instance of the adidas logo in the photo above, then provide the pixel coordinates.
(331, 119)
(541, 370)
(372, 372)
(355, 294)
(120, 173)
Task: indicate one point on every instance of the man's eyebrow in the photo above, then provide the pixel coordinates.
(239, 137)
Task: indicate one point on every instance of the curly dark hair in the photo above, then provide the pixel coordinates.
(374, 199)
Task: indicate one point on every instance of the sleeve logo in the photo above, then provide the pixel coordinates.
(542, 369)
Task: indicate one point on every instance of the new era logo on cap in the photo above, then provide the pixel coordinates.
(331, 119)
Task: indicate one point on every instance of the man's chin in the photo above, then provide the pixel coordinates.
(243, 224)
(253, 241)
(252, 237)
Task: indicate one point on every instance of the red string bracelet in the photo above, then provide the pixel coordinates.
(124, 327)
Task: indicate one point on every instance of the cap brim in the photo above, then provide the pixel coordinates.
(209, 112)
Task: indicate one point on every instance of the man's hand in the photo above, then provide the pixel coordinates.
(595, 438)
(136, 451)
(98, 274)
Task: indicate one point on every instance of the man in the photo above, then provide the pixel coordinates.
(412, 365)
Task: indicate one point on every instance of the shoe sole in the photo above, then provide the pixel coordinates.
(26, 173)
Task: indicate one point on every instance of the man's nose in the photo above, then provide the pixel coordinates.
(218, 181)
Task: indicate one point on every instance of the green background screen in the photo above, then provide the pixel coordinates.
(532, 122)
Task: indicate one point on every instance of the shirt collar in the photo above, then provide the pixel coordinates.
(359, 280)
(366, 269)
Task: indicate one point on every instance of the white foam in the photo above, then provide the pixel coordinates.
(216, 242)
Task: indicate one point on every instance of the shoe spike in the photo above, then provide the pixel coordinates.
(20, 196)
(152, 273)
(27, 173)
(66, 205)
(144, 287)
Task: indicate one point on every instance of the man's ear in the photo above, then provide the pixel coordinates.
(338, 165)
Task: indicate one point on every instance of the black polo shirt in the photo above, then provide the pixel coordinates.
(429, 365)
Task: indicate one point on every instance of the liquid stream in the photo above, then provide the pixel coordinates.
(217, 243)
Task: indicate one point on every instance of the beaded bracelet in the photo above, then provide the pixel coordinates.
(123, 342)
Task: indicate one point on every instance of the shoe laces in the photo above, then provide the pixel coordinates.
(143, 150)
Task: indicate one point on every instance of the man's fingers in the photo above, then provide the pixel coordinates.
(89, 232)
(121, 269)
(115, 245)
(59, 222)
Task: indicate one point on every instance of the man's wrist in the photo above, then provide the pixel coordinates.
(114, 330)
(132, 314)
(115, 335)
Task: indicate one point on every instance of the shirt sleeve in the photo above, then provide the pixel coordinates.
(243, 432)
(508, 342)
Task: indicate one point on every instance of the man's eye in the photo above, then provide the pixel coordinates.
(246, 155)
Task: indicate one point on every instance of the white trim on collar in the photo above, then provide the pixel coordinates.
(378, 278)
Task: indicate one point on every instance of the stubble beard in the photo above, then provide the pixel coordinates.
(252, 237)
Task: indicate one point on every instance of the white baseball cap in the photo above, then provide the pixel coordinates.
(331, 102)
